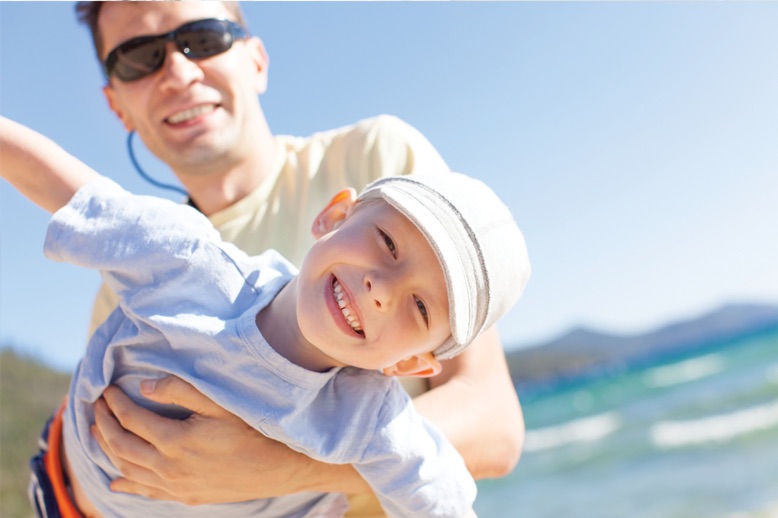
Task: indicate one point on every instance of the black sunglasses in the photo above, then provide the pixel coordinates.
(139, 57)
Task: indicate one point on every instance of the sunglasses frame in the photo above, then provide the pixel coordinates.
(225, 26)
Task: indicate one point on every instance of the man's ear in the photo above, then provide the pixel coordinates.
(113, 104)
(419, 366)
(334, 213)
(260, 62)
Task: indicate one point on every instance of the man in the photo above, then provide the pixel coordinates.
(202, 116)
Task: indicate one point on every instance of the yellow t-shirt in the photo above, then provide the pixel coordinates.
(308, 172)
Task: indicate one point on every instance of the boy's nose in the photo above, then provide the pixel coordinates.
(379, 290)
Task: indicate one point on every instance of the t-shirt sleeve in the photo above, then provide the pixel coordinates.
(411, 466)
(145, 247)
(387, 146)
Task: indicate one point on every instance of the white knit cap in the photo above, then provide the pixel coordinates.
(479, 246)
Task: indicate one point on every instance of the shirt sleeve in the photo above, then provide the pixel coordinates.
(150, 251)
(411, 466)
(386, 146)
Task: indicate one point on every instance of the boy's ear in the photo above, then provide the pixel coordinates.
(334, 213)
(419, 366)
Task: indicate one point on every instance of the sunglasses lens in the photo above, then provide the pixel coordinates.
(205, 39)
(140, 57)
(136, 58)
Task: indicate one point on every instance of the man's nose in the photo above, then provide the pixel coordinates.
(179, 71)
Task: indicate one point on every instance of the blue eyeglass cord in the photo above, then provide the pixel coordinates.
(145, 176)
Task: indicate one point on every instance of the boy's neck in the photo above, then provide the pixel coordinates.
(278, 324)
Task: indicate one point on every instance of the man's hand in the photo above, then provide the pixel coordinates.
(210, 457)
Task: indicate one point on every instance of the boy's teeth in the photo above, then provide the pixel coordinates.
(342, 304)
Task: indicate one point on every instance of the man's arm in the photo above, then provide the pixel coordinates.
(488, 427)
(213, 456)
(38, 168)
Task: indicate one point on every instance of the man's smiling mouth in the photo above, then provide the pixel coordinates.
(191, 113)
(345, 307)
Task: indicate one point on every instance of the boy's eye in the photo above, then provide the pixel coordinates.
(389, 242)
(423, 311)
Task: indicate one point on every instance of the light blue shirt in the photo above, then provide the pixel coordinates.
(188, 307)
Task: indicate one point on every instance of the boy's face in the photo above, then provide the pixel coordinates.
(372, 292)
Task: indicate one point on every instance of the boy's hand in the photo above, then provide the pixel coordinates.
(210, 457)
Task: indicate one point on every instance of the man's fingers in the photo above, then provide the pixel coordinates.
(118, 444)
(122, 415)
(129, 469)
(123, 485)
(174, 390)
(177, 459)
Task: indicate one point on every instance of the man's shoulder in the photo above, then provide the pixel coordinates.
(378, 125)
(381, 124)
(359, 153)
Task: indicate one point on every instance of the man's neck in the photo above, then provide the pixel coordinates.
(215, 192)
(214, 186)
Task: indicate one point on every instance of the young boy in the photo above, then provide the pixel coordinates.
(402, 277)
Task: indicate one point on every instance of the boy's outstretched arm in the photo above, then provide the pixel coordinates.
(40, 169)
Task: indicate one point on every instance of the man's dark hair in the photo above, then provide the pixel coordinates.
(88, 13)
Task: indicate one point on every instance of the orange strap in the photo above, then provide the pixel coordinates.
(53, 462)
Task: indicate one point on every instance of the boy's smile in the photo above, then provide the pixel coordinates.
(344, 312)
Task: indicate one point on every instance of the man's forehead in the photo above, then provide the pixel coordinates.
(121, 21)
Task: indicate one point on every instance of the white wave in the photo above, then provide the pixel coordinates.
(587, 429)
(714, 429)
(685, 371)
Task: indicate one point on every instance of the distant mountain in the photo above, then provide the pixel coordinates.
(584, 351)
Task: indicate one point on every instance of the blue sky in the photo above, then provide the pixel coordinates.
(636, 143)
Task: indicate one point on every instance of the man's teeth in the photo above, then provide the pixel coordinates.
(191, 113)
(340, 297)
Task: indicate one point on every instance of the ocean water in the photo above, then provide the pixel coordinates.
(688, 437)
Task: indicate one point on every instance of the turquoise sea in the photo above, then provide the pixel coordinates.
(687, 437)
